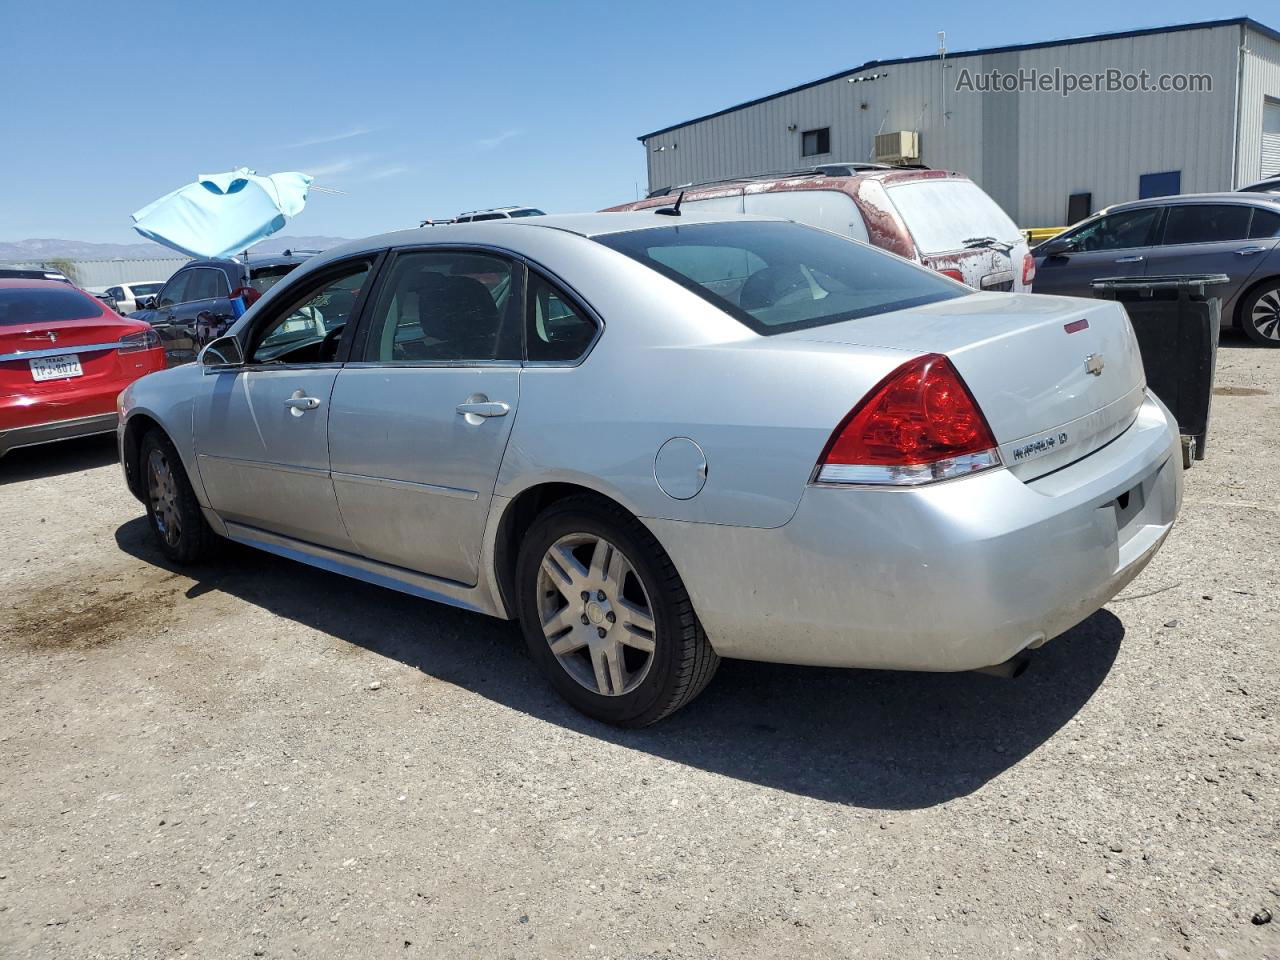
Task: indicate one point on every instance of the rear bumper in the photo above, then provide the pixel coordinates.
(36, 434)
(955, 576)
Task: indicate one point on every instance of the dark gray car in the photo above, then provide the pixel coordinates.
(1233, 233)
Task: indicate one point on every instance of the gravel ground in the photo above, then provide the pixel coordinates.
(259, 758)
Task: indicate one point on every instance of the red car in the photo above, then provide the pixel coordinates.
(64, 358)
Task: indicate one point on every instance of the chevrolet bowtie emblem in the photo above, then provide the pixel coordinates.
(1093, 364)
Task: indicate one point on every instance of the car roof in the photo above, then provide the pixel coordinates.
(11, 283)
(1254, 199)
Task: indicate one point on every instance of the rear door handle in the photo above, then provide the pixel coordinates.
(1130, 259)
(1249, 251)
(484, 408)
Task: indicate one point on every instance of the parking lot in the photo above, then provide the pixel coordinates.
(260, 758)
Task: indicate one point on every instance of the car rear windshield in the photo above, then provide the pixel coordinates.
(145, 289)
(945, 215)
(263, 279)
(22, 305)
(779, 276)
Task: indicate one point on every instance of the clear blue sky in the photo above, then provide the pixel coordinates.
(419, 109)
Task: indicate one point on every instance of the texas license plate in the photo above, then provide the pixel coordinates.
(55, 368)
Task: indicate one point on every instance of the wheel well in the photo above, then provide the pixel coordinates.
(517, 520)
(139, 426)
(1238, 312)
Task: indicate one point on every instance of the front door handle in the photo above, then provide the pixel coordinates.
(1249, 251)
(483, 408)
(1130, 259)
(299, 404)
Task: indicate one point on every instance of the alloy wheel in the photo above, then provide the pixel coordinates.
(595, 614)
(1266, 314)
(162, 490)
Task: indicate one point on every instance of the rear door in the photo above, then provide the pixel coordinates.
(1213, 238)
(261, 429)
(1114, 245)
(421, 419)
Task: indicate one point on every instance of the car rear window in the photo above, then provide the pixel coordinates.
(146, 289)
(263, 279)
(777, 276)
(945, 215)
(21, 305)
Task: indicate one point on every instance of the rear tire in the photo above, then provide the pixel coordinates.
(607, 617)
(1260, 314)
(173, 512)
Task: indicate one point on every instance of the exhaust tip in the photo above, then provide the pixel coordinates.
(1011, 669)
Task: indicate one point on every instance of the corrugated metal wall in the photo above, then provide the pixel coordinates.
(1260, 79)
(107, 273)
(1029, 150)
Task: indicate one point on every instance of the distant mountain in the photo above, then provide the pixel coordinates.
(81, 250)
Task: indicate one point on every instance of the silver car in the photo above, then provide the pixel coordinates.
(661, 440)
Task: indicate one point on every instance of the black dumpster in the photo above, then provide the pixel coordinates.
(1176, 321)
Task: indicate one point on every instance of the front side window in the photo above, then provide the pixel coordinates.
(557, 330)
(1117, 231)
(1206, 223)
(445, 306)
(310, 329)
(175, 291)
(775, 276)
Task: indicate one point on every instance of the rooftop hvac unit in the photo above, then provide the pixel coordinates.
(900, 146)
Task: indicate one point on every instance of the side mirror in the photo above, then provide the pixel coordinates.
(223, 352)
(145, 303)
(1058, 248)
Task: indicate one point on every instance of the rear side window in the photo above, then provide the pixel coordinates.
(775, 276)
(1265, 225)
(23, 305)
(1206, 223)
(946, 215)
(557, 330)
(263, 279)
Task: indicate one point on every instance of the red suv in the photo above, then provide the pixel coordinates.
(940, 219)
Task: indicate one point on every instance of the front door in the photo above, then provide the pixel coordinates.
(1115, 245)
(262, 429)
(420, 419)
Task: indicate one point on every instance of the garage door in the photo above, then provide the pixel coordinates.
(1270, 138)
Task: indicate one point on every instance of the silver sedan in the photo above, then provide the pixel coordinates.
(661, 440)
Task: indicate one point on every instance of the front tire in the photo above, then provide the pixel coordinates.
(172, 509)
(1260, 315)
(606, 616)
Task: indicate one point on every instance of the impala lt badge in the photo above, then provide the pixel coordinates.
(1093, 364)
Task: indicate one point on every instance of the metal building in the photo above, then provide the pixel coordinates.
(1181, 109)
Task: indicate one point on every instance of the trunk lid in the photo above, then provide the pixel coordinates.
(1056, 377)
(60, 338)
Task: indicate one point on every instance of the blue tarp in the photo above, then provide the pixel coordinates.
(222, 214)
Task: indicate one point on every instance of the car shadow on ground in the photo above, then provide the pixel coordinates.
(870, 739)
(56, 459)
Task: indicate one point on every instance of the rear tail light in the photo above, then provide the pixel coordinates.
(955, 275)
(918, 425)
(1028, 269)
(146, 339)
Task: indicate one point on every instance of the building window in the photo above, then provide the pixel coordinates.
(1165, 184)
(815, 142)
